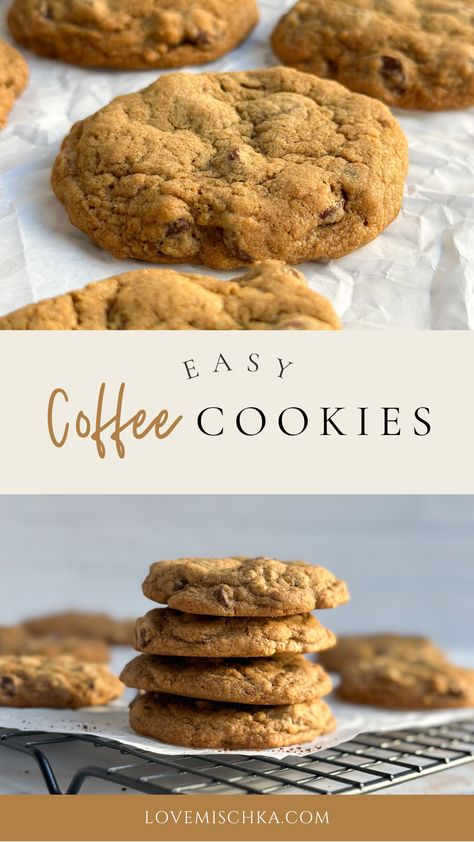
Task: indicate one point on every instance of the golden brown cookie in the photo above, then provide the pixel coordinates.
(282, 680)
(62, 682)
(163, 631)
(243, 587)
(202, 724)
(407, 53)
(132, 34)
(361, 647)
(225, 169)
(270, 296)
(16, 640)
(393, 683)
(13, 78)
(84, 624)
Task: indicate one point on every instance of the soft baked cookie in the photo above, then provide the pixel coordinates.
(225, 169)
(62, 682)
(361, 647)
(407, 53)
(84, 624)
(270, 296)
(16, 640)
(163, 631)
(282, 680)
(13, 78)
(203, 724)
(243, 587)
(389, 682)
(132, 34)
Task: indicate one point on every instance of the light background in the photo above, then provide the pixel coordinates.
(408, 560)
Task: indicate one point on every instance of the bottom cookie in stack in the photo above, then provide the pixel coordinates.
(233, 703)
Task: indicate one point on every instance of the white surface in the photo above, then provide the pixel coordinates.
(417, 274)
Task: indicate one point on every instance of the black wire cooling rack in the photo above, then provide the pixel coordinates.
(367, 763)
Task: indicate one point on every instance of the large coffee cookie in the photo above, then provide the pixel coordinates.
(135, 34)
(243, 587)
(62, 682)
(13, 78)
(163, 631)
(84, 624)
(15, 640)
(203, 724)
(408, 53)
(226, 169)
(270, 296)
(282, 680)
(393, 683)
(361, 647)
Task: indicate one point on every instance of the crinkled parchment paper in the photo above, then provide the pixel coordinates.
(418, 274)
(111, 721)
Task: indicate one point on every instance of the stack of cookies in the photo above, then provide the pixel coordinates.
(222, 666)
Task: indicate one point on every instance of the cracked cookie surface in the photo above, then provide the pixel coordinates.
(226, 169)
(243, 587)
(132, 34)
(62, 682)
(407, 53)
(15, 640)
(84, 624)
(389, 682)
(163, 631)
(270, 296)
(14, 75)
(282, 680)
(357, 647)
(203, 724)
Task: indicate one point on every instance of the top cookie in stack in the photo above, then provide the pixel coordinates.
(222, 665)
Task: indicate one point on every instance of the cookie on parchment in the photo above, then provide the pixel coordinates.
(202, 724)
(389, 682)
(15, 640)
(282, 680)
(357, 647)
(13, 78)
(270, 296)
(62, 682)
(84, 624)
(407, 53)
(225, 169)
(163, 631)
(243, 587)
(132, 34)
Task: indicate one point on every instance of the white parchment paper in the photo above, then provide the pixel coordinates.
(111, 721)
(418, 274)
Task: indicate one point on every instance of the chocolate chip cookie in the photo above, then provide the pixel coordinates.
(15, 640)
(84, 624)
(204, 724)
(407, 53)
(282, 680)
(132, 34)
(270, 296)
(243, 587)
(393, 683)
(166, 632)
(13, 78)
(62, 682)
(361, 647)
(225, 169)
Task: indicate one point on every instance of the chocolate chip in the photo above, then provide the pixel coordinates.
(142, 638)
(221, 596)
(331, 67)
(202, 39)
(7, 686)
(240, 254)
(179, 585)
(392, 73)
(177, 227)
(234, 155)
